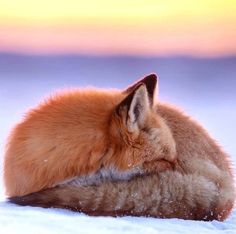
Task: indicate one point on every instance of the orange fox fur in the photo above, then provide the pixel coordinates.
(185, 174)
(87, 133)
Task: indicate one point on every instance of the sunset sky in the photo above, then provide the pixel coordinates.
(123, 27)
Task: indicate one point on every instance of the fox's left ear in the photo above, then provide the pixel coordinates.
(151, 83)
(135, 108)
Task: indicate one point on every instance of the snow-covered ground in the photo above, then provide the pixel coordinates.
(204, 88)
(28, 220)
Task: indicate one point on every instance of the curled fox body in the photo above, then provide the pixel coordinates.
(90, 134)
(185, 174)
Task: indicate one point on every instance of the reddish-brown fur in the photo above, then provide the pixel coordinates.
(79, 132)
(195, 184)
(200, 186)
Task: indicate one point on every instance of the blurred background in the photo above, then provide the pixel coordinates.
(58, 44)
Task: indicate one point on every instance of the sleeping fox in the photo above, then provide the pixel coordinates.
(185, 173)
(87, 136)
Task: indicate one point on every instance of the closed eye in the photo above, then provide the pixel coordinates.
(154, 134)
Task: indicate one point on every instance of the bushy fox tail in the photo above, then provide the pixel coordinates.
(167, 195)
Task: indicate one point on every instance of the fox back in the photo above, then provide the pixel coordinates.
(87, 134)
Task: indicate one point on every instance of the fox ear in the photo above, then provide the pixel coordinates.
(150, 81)
(135, 108)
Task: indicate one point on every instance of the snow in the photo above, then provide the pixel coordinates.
(204, 88)
(15, 219)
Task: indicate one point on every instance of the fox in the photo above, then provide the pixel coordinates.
(195, 183)
(86, 136)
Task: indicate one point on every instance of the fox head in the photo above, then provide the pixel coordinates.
(138, 135)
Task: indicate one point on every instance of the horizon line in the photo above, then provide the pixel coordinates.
(116, 55)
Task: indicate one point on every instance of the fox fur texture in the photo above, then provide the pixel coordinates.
(185, 174)
(85, 133)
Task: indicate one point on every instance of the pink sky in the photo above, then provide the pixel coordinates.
(160, 29)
